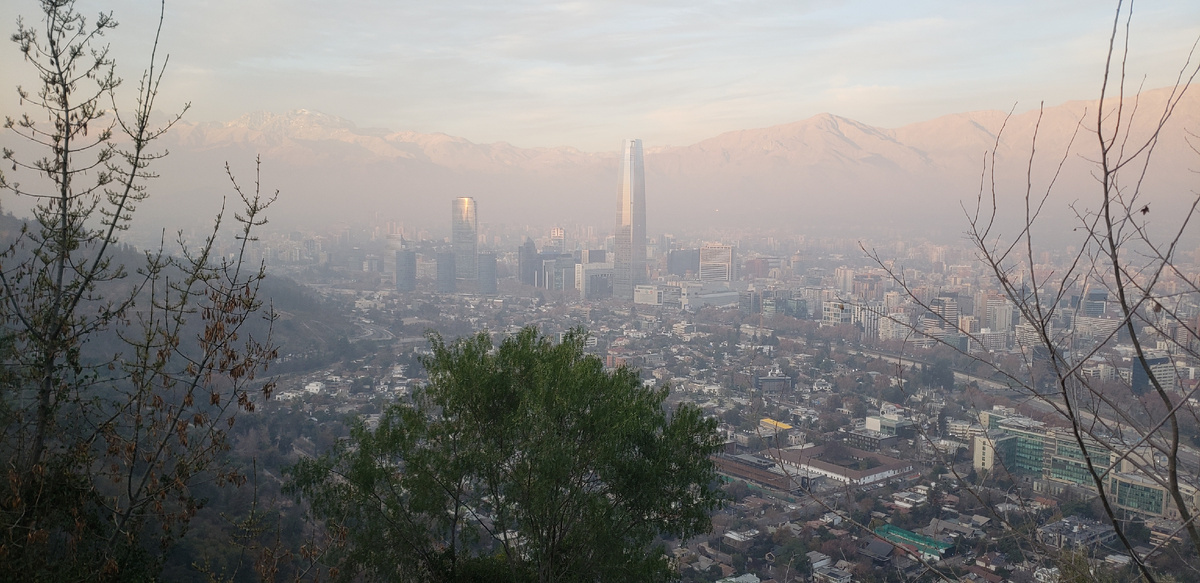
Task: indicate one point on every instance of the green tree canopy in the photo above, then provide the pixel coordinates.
(939, 375)
(526, 461)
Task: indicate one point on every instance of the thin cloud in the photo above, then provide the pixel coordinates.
(540, 73)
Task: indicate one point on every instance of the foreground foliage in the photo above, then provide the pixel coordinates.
(117, 384)
(1124, 434)
(526, 462)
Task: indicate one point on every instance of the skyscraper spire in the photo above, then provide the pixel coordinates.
(629, 258)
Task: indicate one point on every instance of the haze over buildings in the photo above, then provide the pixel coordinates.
(824, 175)
(689, 80)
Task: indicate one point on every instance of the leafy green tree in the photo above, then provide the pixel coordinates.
(791, 554)
(523, 462)
(117, 384)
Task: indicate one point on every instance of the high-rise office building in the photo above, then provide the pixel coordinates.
(558, 271)
(844, 277)
(406, 270)
(944, 315)
(558, 241)
(487, 274)
(592, 256)
(445, 273)
(1095, 302)
(1000, 315)
(684, 262)
(1159, 366)
(629, 257)
(464, 238)
(593, 280)
(527, 263)
(716, 263)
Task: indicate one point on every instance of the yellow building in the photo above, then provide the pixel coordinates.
(768, 427)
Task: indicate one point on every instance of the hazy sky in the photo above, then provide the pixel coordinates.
(587, 74)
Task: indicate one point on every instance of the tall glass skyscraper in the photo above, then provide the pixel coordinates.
(464, 237)
(446, 282)
(406, 270)
(629, 257)
(487, 274)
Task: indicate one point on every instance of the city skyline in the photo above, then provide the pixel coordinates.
(821, 350)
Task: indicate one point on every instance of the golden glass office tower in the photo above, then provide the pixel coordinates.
(464, 238)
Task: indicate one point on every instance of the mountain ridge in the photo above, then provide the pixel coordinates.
(819, 172)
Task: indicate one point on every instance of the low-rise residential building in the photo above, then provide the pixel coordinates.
(870, 440)
(844, 464)
(1074, 532)
(817, 559)
(742, 540)
(770, 429)
(832, 575)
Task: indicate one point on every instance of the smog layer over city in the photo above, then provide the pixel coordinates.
(600, 291)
